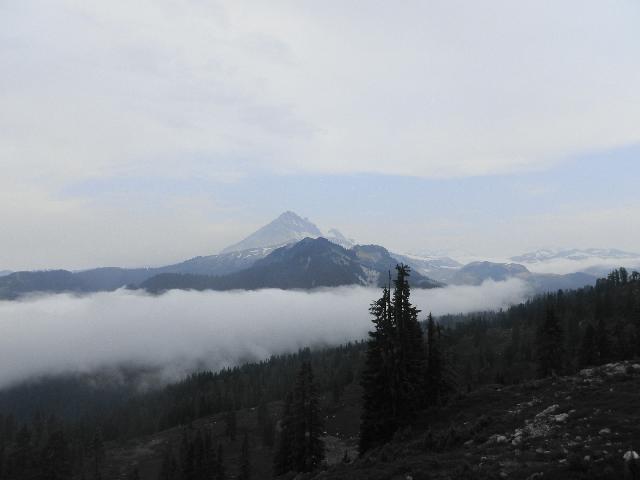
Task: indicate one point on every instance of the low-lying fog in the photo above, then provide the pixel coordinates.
(183, 330)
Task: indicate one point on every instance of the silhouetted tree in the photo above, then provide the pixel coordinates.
(97, 451)
(395, 370)
(549, 345)
(231, 425)
(245, 461)
(301, 448)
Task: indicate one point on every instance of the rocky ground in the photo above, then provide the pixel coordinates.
(573, 427)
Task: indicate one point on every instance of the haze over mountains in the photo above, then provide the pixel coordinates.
(291, 252)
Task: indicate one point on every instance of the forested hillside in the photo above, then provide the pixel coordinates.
(455, 358)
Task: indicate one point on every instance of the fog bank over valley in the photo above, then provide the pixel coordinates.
(180, 331)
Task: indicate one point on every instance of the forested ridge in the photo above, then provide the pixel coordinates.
(550, 335)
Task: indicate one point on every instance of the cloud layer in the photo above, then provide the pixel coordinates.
(180, 330)
(429, 89)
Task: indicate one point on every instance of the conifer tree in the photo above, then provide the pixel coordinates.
(549, 345)
(395, 370)
(55, 457)
(168, 467)
(231, 425)
(97, 450)
(245, 461)
(308, 426)
(377, 424)
(409, 350)
(588, 347)
(220, 471)
(436, 387)
(282, 460)
(300, 447)
(602, 341)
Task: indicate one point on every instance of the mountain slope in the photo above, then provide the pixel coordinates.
(51, 281)
(477, 272)
(438, 268)
(574, 427)
(287, 228)
(309, 263)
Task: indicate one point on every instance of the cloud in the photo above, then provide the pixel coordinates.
(428, 89)
(180, 330)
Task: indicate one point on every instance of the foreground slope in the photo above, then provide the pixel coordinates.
(571, 427)
(574, 427)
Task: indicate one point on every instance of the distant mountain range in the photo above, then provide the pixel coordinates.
(292, 252)
(575, 254)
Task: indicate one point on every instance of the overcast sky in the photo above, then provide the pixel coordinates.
(141, 133)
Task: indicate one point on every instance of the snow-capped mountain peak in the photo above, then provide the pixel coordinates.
(287, 228)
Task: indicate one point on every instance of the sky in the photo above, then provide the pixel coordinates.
(143, 133)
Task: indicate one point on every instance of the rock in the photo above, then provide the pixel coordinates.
(631, 465)
(561, 418)
(535, 476)
(605, 431)
(548, 411)
(587, 458)
(501, 439)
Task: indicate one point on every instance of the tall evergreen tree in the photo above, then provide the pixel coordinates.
(245, 461)
(436, 388)
(282, 460)
(410, 367)
(220, 471)
(393, 379)
(549, 345)
(231, 425)
(168, 467)
(55, 457)
(301, 448)
(602, 341)
(377, 423)
(588, 347)
(97, 450)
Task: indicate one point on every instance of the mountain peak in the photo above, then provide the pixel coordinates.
(287, 228)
